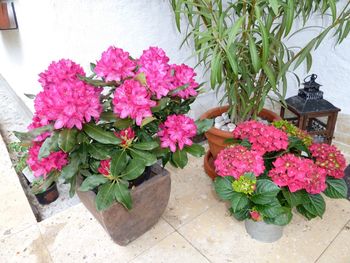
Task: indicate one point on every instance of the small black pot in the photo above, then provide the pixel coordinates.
(49, 196)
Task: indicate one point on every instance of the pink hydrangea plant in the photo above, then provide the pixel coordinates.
(183, 75)
(329, 158)
(42, 167)
(66, 99)
(264, 138)
(131, 99)
(237, 160)
(176, 132)
(115, 64)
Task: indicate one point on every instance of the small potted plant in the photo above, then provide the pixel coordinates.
(107, 133)
(272, 169)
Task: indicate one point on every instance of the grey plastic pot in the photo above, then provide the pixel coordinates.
(263, 232)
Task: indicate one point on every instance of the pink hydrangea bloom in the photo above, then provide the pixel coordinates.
(264, 138)
(66, 100)
(237, 160)
(55, 161)
(177, 131)
(37, 123)
(255, 215)
(329, 158)
(183, 75)
(298, 173)
(115, 64)
(105, 167)
(132, 100)
(154, 63)
(127, 136)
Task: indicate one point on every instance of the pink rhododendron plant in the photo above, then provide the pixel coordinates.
(272, 169)
(110, 127)
(42, 167)
(176, 132)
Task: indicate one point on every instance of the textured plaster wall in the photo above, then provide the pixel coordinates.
(82, 29)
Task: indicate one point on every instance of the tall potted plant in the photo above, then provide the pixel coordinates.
(105, 133)
(244, 45)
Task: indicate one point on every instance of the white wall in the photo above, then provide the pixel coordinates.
(82, 29)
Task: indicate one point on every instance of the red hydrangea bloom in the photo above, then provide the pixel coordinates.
(237, 160)
(177, 131)
(66, 100)
(115, 64)
(132, 100)
(37, 123)
(105, 167)
(255, 215)
(264, 138)
(126, 135)
(154, 63)
(298, 173)
(55, 161)
(183, 75)
(329, 158)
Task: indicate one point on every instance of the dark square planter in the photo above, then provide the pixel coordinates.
(149, 202)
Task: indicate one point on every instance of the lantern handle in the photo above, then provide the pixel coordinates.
(313, 77)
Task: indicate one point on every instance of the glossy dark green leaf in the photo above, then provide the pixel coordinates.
(223, 187)
(92, 181)
(316, 205)
(72, 168)
(105, 196)
(239, 201)
(146, 157)
(122, 124)
(195, 150)
(204, 125)
(295, 198)
(118, 162)
(100, 135)
(49, 145)
(122, 195)
(336, 188)
(180, 158)
(134, 169)
(99, 151)
(146, 145)
(67, 139)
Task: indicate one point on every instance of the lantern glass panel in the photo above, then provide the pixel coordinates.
(291, 117)
(317, 124)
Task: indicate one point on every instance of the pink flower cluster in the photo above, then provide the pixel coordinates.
(329, 158)
(105, 167)
(66, 99)
(184, 75)
(37, 123)
(55, 161)
(264, 138)
(163, 78)
(177, 131)
(131, 99)
(115, 64)
(126, 135)
(298, 173)
(237, 160)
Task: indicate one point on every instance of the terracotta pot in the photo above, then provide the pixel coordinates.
(49, 196)
(149, 202)
(209, 167)
(217, 137)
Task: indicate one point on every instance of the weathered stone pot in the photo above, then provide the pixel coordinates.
(262, 231)
(149, 202)
(216, 138)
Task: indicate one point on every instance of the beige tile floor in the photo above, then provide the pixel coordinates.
(194, 228)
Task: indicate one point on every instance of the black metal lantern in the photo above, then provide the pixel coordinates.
(309, 111)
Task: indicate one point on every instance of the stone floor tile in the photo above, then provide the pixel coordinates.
(192, 193)
(75, 236)
(25, 246)
(172, 249)
(339, 250)
(221, 238)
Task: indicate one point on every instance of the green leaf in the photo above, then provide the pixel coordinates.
(254, 54)
(336, 188)
(161, 104)
(118, 162)
(147, 158)
(234, 30)
(223, 187)
(122, 124)
(239, 201)
(72, 168)
(108, 116)
(92, 181)
(295, 198)
(49, 146)
(195, 150)
(73, 182)
(241, 214)
(308, 62)
(100, 135)
(301, 209)
(204, 125)
(28, 137)
(333, 9)
(269, 73)
(316, 205)
(105, 196)
(274, 5)
(283, 218)
(134, 169)
(122, 195)
(67, 139)
(147, 120)
(146, 145)
(232, 59)
(289, 16)
(141, 77)
(180, 158)
(265, 192)
(265, 42)
(99, 151)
